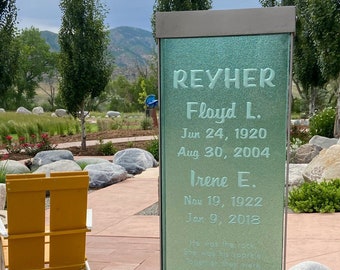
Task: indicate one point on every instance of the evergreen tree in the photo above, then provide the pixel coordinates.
(84, 66)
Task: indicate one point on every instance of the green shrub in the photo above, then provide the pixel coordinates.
(323, 123)
(153, 148)
(107, 149)
(130, 144)
(146, 123)
(316, 197)
(116, 124)
(299, 135)
(104, 124)
(82, 165)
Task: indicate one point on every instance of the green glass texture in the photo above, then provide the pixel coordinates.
(223, 113)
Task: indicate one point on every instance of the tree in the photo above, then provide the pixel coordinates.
(8, 49)
(306, 70)
(50, 78)
(177, 5)
(33, 60)
(84, 66)
(324, 29)
(316, 47)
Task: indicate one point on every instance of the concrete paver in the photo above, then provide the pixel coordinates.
(123, 240)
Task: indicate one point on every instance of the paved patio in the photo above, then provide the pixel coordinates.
(123, 240)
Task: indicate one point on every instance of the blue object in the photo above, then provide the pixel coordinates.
(151, 101)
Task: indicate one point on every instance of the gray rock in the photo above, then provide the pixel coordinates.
(38, 110)
(61, 112)
(135, 160)
(105, 174)
(2, 110)
(91, 160)
(295, 174)
(309, 265)
(323, 142)
(13, 167)
(325, 166)
(305, 153)
(59, 166)
(112, 114)
(46, 157)
(300, 122)
(23, 110)
(2, 196)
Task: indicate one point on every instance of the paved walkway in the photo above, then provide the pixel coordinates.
(123, 240)
(114, 140)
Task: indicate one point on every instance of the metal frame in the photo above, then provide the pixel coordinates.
(208, 23)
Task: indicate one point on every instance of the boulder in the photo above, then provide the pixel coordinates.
(2, 110)
(105, 174)
(134, 160)
(13, 167)
(295, 175)
(300, 122)
(2, 196)
(61, 112)
(46, 157)
(325, 166)
(323, 142)
(38, 110)
(305, 153)
(59, 166)
(23, 110)
(91, 160)
(112, 114)
(309, 265)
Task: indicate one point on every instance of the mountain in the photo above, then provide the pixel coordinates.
(51, 39)
(131, 47)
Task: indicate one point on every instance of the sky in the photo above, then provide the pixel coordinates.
(46, 15)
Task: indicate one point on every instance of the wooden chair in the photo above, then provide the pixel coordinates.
(40, 239)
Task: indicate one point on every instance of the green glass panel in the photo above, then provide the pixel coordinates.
(223, 113)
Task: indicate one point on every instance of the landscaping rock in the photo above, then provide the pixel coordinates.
(23, 110)
(295, 175)
(305, 153)
(323, 142)
(46, 157)
(325, 166)
(13, 167)
(38, 110)
(135, 160)
(91, 160)
(2, 196)
(59, 166)
(61, 112)
(105, 174)
(309, 265)
(112, 114)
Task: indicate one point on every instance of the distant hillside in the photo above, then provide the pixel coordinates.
(51, 39)
(130, 46)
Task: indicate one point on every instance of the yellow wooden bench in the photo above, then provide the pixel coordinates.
(38, 241)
